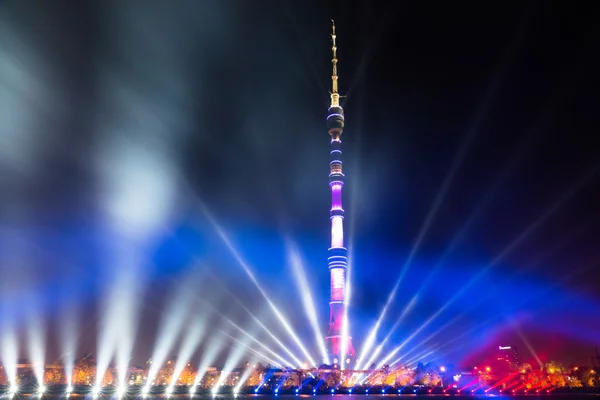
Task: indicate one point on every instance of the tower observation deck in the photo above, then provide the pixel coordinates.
(339, 343)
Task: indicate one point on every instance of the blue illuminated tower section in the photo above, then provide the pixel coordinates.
(339, 342)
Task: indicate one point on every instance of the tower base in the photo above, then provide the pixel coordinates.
(334, 345)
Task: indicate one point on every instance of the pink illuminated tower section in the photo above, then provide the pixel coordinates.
(338, 255)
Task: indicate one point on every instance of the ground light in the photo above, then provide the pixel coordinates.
(69, 389)
(96, 391)
(37, 346)
(13, 390)
(41, 390)
(121, 391)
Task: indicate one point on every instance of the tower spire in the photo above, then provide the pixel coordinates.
(335, 96)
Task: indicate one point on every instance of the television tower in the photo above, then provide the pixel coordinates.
(338, 255)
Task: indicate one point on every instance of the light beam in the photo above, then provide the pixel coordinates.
(306, 296)
(253, 279)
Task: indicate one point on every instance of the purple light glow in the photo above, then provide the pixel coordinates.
(338, 283)
(336, 197)
(337, 231)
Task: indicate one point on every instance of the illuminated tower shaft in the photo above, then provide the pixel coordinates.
(338, 255)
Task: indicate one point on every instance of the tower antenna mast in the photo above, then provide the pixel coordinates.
(335, 96)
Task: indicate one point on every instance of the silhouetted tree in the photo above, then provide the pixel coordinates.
(54, 376)
(108, 378)
(589, 378)
(165, 374)
(405, 377)
(332, 379)
(255, 377)
(187, 376)
(3, 376)
(84, 371)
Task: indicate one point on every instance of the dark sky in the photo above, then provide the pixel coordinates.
(471, 155)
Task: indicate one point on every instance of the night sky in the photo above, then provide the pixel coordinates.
(131, 133)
